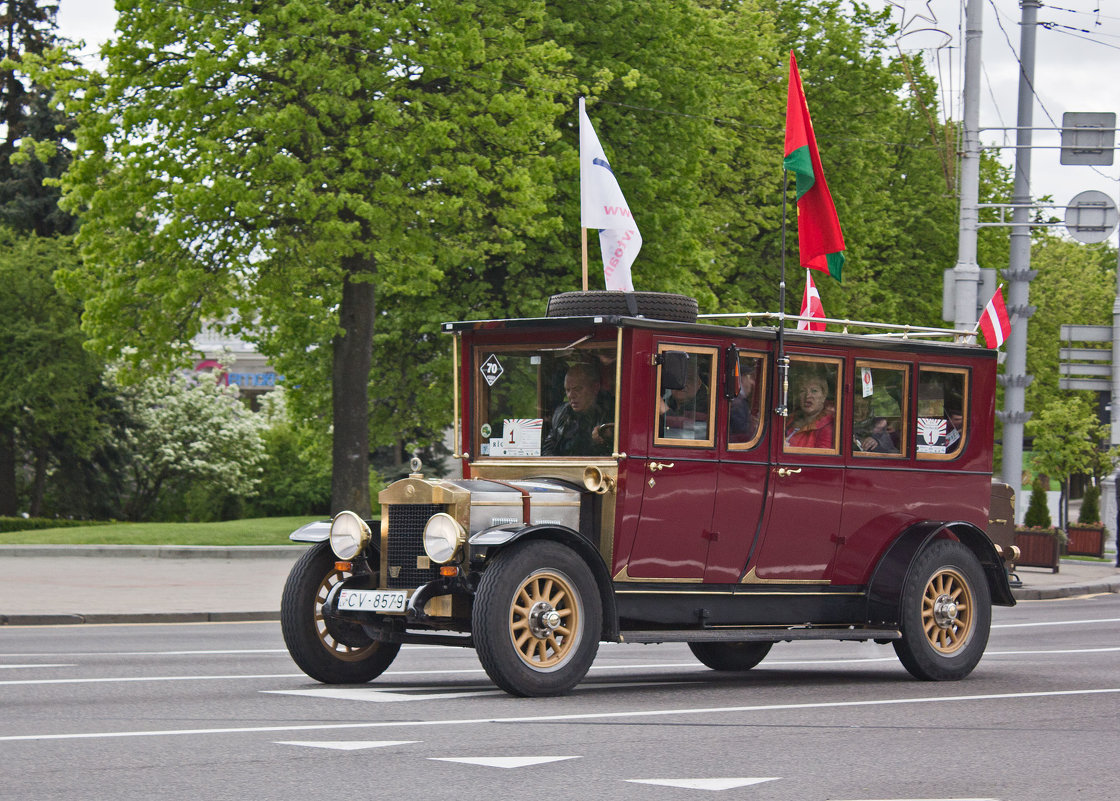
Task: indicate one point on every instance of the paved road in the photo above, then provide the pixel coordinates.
(217, 711)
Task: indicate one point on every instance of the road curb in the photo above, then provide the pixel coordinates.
(158, 551)
(154, 617)
(1049, 593)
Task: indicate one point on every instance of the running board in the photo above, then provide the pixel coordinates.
(759, 635)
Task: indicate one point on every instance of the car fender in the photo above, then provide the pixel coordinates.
(493, 540)
(315, 531)
(884, 591)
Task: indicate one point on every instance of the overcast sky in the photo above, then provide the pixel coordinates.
(1077, 68)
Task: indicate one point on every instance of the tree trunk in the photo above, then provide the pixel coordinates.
(8, 504)
(39, 482)
(352, 357)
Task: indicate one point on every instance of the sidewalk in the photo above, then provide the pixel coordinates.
(52, 584)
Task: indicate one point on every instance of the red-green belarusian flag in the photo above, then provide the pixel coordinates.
(820, 241)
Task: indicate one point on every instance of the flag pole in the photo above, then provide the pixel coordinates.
(783, 360)
(584, 230)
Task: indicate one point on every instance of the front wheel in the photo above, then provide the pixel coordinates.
(946, 613)
(537, 619)
(730, 656)
(332, 652)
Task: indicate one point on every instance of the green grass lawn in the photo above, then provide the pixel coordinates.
(260, 531)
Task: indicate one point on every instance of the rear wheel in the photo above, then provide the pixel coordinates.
(330, 651)
(946, 613)
(536, 620)
(730, 656)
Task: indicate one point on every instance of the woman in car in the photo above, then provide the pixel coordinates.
(813, 422)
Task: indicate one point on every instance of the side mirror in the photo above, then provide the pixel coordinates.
(731, 372)
(674, 369)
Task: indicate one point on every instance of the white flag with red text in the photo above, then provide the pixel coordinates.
(602, 206)
(995, 324)
(811, 306)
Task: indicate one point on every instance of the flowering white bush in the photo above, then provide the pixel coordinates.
(188, 430)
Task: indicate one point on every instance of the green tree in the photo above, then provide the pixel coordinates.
(275, 167)
(1067, 440)
(1076, 283)
(1038, 511)
(26, 203)
(50, 388)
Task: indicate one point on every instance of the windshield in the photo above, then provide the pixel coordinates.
(544, 401)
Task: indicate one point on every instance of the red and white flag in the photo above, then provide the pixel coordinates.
(994, 324)
(811, 306)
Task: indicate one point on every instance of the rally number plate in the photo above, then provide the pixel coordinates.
(373, 600)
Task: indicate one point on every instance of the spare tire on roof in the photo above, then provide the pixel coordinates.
(655, 305)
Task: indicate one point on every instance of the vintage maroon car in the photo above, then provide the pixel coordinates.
(630, 478)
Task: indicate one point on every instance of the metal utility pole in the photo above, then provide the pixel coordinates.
(1019, 273)
(966, 273)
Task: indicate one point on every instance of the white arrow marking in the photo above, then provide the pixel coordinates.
(705, 784)
(346, 745)
(503, 762)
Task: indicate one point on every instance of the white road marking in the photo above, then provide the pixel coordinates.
(644, 713)
(373, 695)
(125, 679)
(503, 762)
(24, 667)
(212, 652)
(924, 799)
(705, 784)
(695, 667)
(346, 745)
(1055, 623)
(439, 693)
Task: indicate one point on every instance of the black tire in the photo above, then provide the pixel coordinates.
(654, 305)
(331, 652)
(730, 656)
(525, 649)
(946, 613)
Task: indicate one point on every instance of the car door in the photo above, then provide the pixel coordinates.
(741, 488)
(674, 526)
(801, 531)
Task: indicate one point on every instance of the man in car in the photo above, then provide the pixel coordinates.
(581, 425)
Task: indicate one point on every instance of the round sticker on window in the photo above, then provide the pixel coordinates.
(485, 430)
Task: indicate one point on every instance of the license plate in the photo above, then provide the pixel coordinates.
(373, 600)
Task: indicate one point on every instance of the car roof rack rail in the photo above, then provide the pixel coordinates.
(905, 331)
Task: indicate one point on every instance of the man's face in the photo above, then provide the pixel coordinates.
(747, 382)
(581, 392)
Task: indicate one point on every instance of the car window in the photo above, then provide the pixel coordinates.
(685, 415)
(545, 402)
(744, 412)
(880, 400)
(813, 405)
(942, 420)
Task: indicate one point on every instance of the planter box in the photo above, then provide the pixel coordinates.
(1085, 541)
(1037, 549)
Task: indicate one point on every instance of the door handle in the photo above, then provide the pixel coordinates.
(655, 466)
(788, 471)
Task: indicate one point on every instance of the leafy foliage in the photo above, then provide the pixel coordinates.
(1067, 439)
(51, 397)
(334, 179)
(1038, 511)
(1090, 511)
(187, 434)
